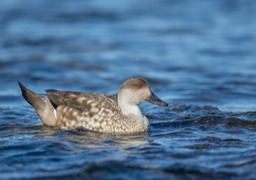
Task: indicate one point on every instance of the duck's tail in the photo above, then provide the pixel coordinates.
(42, 105)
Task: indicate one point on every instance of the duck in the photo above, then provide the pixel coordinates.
(103, 113)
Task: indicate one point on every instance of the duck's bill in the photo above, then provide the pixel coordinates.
(155, 100)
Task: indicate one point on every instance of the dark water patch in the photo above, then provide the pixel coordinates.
(250, 115)
(209, 143)
(76, 64)
(193, 108)
(118, 170)
(93, 15)
(222, 53)
(31, 42)
(240, 123)
(194, 173)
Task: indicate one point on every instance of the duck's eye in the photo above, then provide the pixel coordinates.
(139, 86)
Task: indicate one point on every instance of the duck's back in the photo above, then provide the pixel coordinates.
(96, 112)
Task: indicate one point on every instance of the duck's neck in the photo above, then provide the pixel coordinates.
(129, 109)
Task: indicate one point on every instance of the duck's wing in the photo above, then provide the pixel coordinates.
(89, 110)
(81, 101)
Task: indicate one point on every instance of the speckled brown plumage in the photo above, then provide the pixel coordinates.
(96, 112)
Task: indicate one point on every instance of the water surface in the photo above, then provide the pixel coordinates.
(199, 56)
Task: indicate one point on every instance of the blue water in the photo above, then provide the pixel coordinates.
(199, 56)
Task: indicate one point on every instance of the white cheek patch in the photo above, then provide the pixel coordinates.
(55, 113)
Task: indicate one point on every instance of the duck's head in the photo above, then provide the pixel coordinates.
(137, 90)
